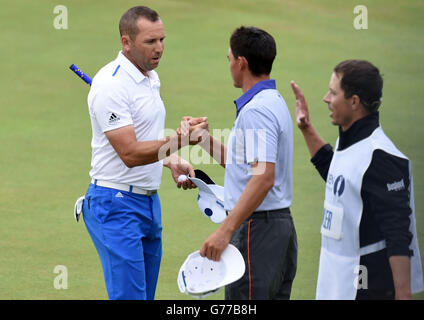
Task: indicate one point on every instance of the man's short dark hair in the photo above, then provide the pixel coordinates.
(362, 78)
(257, 46)
(128, 22)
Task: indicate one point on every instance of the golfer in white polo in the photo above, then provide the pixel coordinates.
(121, 209)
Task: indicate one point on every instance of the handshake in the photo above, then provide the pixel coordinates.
(193, 131)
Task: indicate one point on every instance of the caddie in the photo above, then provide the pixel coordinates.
(121, 208)
(369, 247)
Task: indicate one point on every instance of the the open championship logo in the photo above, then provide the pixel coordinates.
(339, 186)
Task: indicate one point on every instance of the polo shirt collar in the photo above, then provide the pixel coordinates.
(129, 67)
(358, 131)
(249, 94)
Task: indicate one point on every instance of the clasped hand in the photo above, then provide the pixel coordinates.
(194, 130)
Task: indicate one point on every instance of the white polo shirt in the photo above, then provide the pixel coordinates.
(121, 95)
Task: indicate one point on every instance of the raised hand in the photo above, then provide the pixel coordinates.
(313, 140)
(302, 112)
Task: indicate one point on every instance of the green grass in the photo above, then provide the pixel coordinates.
(45, 129)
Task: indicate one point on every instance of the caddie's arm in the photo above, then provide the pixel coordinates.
(321, 153)
(401, 270)
(253, 195)
(391, 210)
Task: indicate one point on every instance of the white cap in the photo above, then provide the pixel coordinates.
(210, 198)
(200, 277)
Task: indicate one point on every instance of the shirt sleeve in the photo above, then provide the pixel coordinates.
(111, 108)
(261, 133)
(386, 193)
(322, 160)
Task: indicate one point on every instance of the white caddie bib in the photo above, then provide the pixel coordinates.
(343, 206)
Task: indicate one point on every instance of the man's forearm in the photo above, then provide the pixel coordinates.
(313, 140)
(147, 152)
(401, 270)
(253, 195)
(216, 149)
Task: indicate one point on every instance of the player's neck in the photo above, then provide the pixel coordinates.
(250, 80)
(144, 72)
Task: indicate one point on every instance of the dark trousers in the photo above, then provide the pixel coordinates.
(268, 242)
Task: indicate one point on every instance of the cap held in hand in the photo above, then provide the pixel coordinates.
(210, 198)
(200, 277)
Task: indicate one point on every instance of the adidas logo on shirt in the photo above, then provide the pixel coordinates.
(113, 118)
(119, 195)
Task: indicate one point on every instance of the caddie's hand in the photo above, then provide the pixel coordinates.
(215, 245)
(182, 167)
(302, 113)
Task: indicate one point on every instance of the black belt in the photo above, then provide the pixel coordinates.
(270, 213)
(284, 210)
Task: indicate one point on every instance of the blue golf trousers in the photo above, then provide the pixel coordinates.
(126, 229)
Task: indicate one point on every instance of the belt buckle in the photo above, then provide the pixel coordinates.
(151, 192)
(143, 191)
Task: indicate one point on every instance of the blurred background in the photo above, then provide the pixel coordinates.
(45, 131)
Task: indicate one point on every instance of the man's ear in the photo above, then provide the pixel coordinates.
(126, 42)
(243, 63)
(355, 102)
